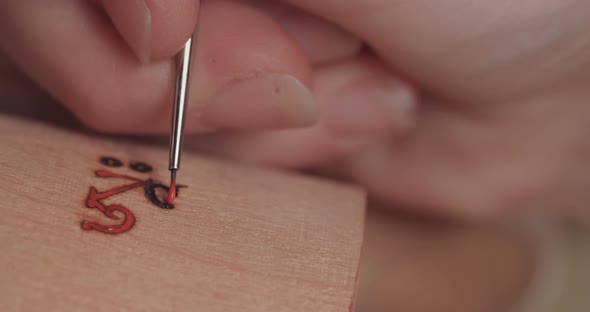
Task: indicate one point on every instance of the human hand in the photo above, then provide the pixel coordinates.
(111, 63)
(502, 118)
(487, 134)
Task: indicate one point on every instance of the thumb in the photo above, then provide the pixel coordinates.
(153, 29)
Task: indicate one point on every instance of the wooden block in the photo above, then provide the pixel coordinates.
(239, 239)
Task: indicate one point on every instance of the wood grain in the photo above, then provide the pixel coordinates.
(240, 239)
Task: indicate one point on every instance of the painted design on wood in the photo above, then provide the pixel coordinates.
(125, 217)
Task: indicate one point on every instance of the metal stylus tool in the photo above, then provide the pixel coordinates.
(183, 60)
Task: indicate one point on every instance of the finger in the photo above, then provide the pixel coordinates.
(72, 51)
(413, 37)
(153, 29)
(361, 103)
(321, 41)
(356, 16)
(361, 97)
(289, 148)
(249, 73)
(473, 168)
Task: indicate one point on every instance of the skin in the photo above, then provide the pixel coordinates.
(471, 109)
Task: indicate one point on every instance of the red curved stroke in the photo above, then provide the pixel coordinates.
(93, 200)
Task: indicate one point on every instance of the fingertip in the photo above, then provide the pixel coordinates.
(133, 21)
(360, 97)
(173, 22)
(153, 29)
(122, 105)
(247, 72)
(265, 101)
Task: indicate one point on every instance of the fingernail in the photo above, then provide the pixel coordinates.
(145, 34)
(368, 108)
(133, 20)
(264, 101)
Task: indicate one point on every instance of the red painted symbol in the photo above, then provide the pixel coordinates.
(116, 211)
(94, 201)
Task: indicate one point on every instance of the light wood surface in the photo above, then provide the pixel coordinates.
(240, 238)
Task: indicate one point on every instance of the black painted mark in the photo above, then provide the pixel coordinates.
(110, 161)
(140, 166)
(150, 192)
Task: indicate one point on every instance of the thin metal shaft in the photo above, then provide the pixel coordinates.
(180, 97)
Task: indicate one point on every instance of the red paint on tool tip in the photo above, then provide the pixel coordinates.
(172, 192)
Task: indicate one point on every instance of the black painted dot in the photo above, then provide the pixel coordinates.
(150, 192)
(110, 161)
(140, 166)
